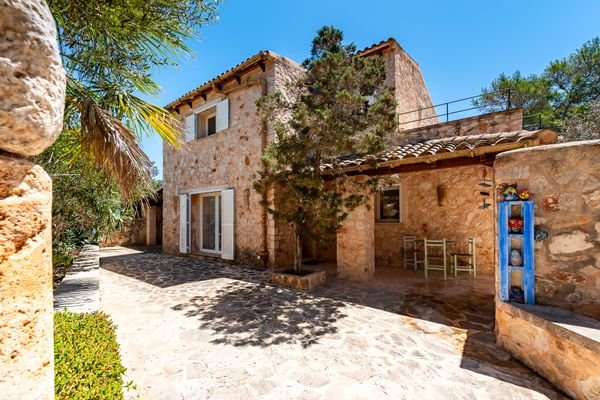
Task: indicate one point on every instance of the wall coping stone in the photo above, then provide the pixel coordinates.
(556, 146)
(576, 328)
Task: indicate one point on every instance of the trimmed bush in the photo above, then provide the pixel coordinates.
(86, 356)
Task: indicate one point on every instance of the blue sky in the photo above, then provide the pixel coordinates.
(461, 46)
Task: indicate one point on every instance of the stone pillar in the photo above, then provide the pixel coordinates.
(356, 244)
(150, 225)
(32, 90)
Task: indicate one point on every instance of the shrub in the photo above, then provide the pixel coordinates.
(86, 355)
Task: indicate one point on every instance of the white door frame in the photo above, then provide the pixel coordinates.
(217, 196)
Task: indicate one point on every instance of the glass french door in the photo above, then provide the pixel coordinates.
(210, 223)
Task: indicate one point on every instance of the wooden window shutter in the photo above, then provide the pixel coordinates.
(184, 223)
(190, 127)
(222, 115)
(227, 224)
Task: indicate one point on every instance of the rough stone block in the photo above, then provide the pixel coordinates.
(26, 325)
(32, 80)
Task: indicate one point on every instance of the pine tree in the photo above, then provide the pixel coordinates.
(339, 107)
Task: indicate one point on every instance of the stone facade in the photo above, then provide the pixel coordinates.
(564, 181)
(458, 217)
(502, 121)
(355, 244)
(414, 106)
(32, 89)
(568, 358)
(232, 157)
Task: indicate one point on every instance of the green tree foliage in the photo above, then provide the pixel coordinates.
(338, 107)
(84, 204)
(109, 49)
(560, 93)
(584, 125)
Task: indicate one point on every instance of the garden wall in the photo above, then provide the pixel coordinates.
(564, 180)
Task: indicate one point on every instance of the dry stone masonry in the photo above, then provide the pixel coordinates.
(32, 89)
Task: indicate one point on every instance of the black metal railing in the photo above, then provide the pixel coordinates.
(502, 102)
(532, 122)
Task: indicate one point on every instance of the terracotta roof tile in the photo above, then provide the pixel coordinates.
(439, 146)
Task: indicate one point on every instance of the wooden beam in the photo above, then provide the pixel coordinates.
(238, 78)
(262, 66)
(203, 95)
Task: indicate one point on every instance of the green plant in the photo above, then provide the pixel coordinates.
(339, 107)
(560, 94)
(86, 356)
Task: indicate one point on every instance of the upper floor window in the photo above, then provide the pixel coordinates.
(207, 120)
(389, 207)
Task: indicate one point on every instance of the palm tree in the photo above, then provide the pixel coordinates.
(109, 49)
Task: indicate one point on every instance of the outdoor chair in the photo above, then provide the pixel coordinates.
(469, 259)
(436, 256)
(410, 252)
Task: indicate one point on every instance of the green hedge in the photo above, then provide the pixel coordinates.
(86, 355)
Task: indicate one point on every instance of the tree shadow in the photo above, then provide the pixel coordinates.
(247, 314)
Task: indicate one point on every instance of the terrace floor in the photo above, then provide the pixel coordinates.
(198, 329)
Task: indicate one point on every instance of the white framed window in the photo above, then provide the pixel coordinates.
(207, 120)
(389, 204)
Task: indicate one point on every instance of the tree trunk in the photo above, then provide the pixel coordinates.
(297, 248)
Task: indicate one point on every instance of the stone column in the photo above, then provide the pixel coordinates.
(32, 90)
(150, 225)
(356, 244)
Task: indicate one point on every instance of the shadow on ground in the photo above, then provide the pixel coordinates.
(250, 312)
(243, 314)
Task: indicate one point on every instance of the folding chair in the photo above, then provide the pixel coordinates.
(470, 265)
(435, 252)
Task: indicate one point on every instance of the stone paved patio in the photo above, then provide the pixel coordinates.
(196, 329)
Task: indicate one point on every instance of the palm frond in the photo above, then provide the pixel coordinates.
(114, 149)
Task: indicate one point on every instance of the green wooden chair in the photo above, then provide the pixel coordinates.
(468, 260)
(410, 252)
(436, 256)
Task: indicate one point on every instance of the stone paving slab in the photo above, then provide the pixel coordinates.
(79, 291)
(195, 329)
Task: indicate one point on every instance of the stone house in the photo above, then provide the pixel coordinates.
(432, 172)
(210, 207)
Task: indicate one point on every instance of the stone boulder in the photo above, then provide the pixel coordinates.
(32, 80)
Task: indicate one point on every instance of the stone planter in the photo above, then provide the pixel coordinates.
(303, 282)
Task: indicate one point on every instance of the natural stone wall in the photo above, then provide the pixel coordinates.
(566, 358)
(132, 232)
(32, 88)
(356, 244)
(502, 121)
(405, 78)
(564, 181)
(230, 158)
(26, 325)
(422, 215)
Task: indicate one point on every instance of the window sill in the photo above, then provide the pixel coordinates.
(382, 221)
(207, 137)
